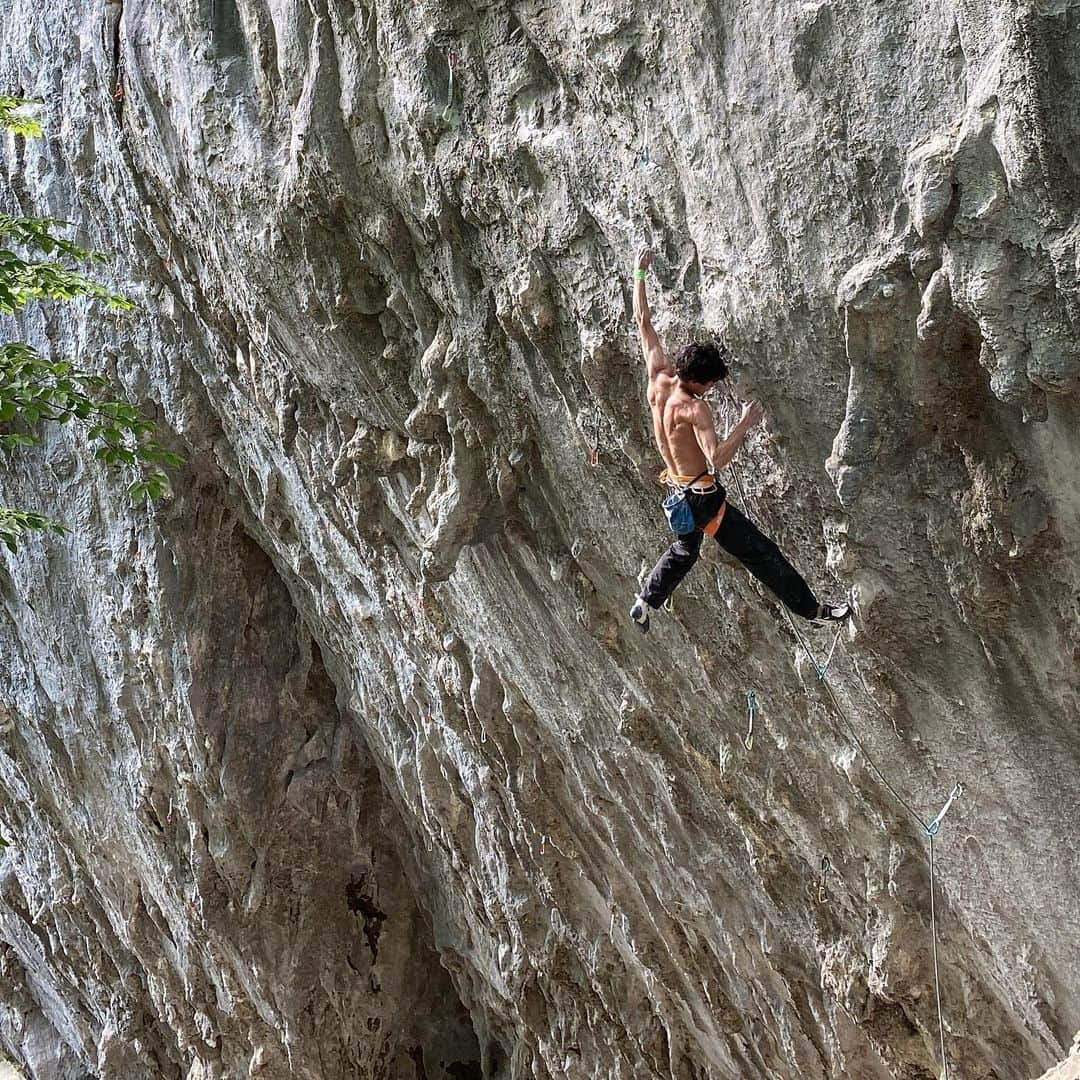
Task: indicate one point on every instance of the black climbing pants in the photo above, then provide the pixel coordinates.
(738, 536)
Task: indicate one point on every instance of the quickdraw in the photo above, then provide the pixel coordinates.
(824, 669)
(593, 422)
(751, 708)
(816, 890)
(935, 826)
(645, 157)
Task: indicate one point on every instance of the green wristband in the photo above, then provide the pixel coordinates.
(639, 274)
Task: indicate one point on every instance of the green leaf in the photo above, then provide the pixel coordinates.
(14, 439)
(39, 263)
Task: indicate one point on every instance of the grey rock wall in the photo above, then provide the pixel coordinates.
(342, 761)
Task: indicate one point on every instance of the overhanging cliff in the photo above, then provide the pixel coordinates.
(344, 760)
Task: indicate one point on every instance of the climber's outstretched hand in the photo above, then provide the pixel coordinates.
(753, 413)
(644, 258)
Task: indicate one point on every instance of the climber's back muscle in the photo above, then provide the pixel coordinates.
(673, 415)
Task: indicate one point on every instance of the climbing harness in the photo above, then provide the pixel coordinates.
(677, 509)
(679, 514)
(816, 890)
(751, 708)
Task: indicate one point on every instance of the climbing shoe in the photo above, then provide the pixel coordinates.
(640, 614)
(832, 613)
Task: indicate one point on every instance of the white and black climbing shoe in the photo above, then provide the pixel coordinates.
(640, 614)
(832, 613)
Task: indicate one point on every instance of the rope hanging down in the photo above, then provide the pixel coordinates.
(824, 669)
(800, 637)
(931, 830)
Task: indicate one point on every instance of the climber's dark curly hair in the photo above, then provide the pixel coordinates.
(702, 362)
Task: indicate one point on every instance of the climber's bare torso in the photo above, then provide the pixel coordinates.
(682, 423)
(674, 411)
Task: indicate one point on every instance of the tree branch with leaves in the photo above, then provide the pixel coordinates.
(36, 265)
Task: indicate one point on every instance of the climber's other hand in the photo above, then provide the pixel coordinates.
(753, 413)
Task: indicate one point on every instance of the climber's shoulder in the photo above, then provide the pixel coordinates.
(656, 360)
(662, 384)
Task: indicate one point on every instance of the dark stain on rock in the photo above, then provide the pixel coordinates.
(360, 901)
(464, 1070)
(417, 1055)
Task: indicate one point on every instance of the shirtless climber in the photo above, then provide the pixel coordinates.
(686, 437)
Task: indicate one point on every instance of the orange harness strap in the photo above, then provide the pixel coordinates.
(710, 529)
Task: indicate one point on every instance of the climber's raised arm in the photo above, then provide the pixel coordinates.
(720, 454)
(655, 359)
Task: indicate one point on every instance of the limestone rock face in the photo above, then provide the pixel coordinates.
(343, 760)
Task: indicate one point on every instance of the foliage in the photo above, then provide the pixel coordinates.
(34, 388)
(22, 280)
(14, 117)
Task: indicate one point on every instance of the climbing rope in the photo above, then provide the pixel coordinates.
(752, 505)
(937, 978)
(931, 830)
(824, 669)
